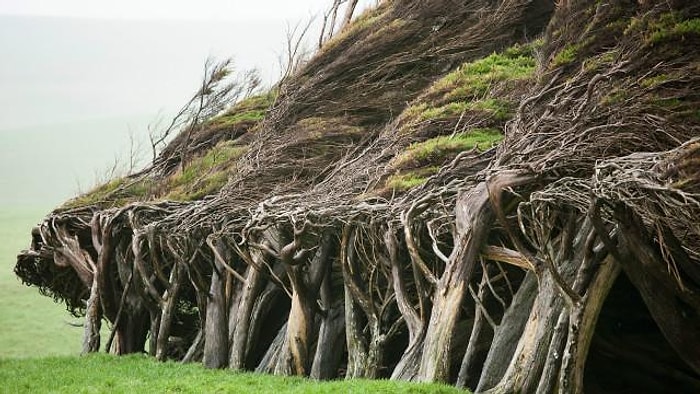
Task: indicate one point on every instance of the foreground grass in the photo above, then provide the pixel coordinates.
(31, 325)
(139, 374)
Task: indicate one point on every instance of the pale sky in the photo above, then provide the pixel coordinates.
(167, 9)
(79, 77)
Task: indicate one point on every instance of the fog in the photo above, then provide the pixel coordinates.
(73, 89)
(80, 79)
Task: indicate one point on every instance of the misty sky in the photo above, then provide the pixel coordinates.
(77, 75)
(209, 10)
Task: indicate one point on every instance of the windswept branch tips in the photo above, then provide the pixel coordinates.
(219, 89)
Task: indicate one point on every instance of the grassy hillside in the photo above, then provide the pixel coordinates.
(139, 374)
(31, 325)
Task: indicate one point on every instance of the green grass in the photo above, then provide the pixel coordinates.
(469, 89)
(31, 325)
(117, 192)
(100, 373)
(247, 116)
(100, 193)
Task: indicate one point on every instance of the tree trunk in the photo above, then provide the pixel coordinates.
(662, 295)
(329, 346)
(582, 325)
(242, 323)
(166, 317)
(507, 334)
(216, 324)
(480, 337)
(93, 321)
(474, 218)
(294, 356)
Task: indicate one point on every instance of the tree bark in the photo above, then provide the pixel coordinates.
(240, 339)
(93, 321)
(329, 346)
(671, 307)
(474, 218)
(507, 334)
(166, 317)
(216, 348)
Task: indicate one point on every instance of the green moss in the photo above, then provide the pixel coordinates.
(257, 102)
(499, 109)
(247, 116)
(207, 185)
(96, 195)
(475, 79)
(652, 82)
(405, 181)
(566, 55)
(116, 192)
(670, 26)
(676, 31)
(206, 174)
(468, 89)
(250, 110)
(438, 148)
(421, 160)
(107, 188)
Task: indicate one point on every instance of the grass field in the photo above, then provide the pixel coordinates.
(139, 374)
(31, 325)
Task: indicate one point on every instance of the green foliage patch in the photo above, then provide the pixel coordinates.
(439, 148)
(475, 88)
(566, 55)
(250, 110)
(676, 31)
(140, 374)
(475, 79)
(498, 109)
(407, 180)
(232, 120)
(666, 27)
(422, 159)
(206, 174)
(116, 192)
